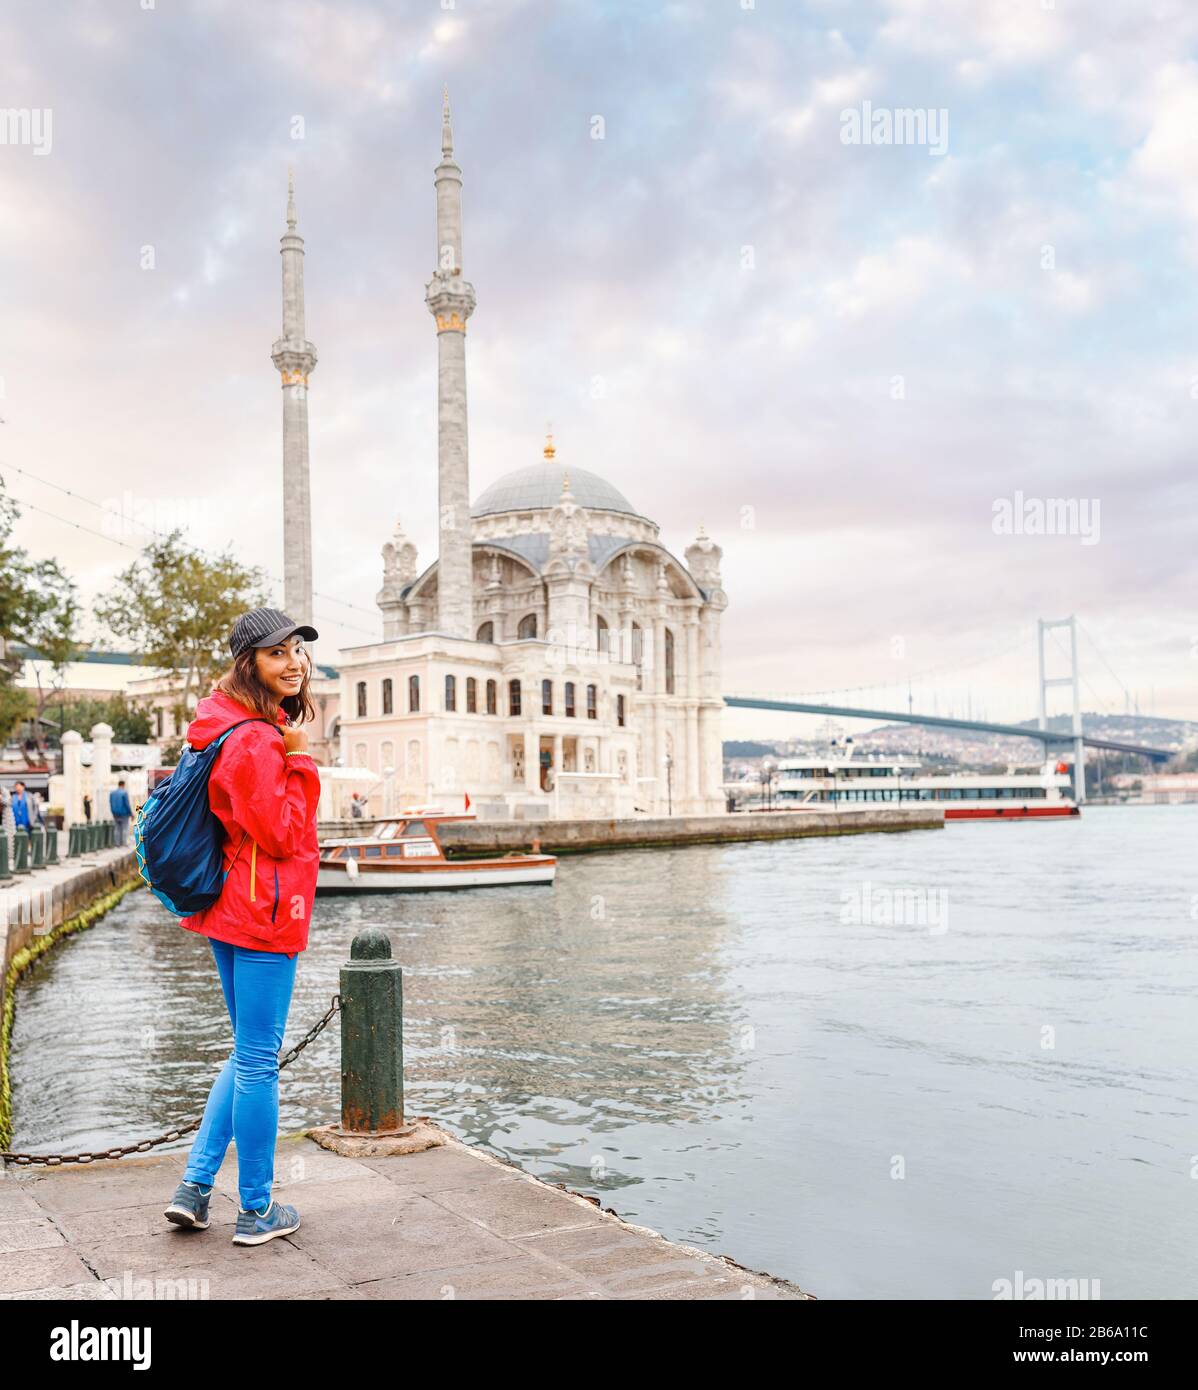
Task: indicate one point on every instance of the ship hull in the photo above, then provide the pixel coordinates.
(383, 877)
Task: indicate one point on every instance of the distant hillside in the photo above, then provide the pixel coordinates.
(739, 748)
(971, 748)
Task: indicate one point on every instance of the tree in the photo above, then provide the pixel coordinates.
(171, 753)
(176, 608)
(38, 609)
(129, 723)
(55, 638)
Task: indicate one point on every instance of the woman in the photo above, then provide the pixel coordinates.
(264, 789)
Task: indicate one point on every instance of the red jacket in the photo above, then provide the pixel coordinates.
(266, 799)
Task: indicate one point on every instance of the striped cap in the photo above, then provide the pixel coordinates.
(263, 627)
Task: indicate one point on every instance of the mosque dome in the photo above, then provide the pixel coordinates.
(539, 487)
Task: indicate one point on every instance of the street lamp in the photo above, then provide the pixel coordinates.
(668, 763)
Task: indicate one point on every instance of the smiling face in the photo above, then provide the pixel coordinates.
(283, 667)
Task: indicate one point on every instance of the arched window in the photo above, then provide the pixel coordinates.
(569, 699)
(669, 661)
(592, 702)
(451, 693)
(513, 697)
(361, 699)
(413, 694)
(528, 627)
(486, 633)
(492, 698)
(602, 634)
(546, 697)
(620, 710)
(387, 696)
(471, 695)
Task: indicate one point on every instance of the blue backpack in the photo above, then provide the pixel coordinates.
(178, 839)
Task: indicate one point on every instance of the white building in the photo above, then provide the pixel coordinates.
(556, 659)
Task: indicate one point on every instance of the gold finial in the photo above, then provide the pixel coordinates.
(550, 451)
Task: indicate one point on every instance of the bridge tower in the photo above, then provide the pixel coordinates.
(1072, 679)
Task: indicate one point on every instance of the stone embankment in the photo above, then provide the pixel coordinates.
(462, 838)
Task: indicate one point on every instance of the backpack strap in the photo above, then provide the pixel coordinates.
(257, 719)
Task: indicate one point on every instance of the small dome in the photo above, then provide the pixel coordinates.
(539, 487)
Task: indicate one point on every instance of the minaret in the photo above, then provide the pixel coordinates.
(295, 359)
(451, 302)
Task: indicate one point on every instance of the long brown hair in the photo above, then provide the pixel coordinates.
(242, 683)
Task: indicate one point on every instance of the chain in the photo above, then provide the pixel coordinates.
(314, 1032)
(144, 1145)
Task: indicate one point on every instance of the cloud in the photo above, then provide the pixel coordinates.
(713, 304)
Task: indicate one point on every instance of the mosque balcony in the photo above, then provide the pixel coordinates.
(293, 356)
(450, 300)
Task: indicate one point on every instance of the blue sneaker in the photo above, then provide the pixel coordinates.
(189, 1206)
(256, 1227)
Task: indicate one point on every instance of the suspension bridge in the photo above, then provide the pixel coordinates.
(1053, 740)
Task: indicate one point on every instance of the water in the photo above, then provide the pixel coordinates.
(701, 1039)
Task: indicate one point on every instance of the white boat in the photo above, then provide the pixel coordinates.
(844, 782)
(404, 854)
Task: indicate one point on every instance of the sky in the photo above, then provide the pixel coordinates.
(861, 367)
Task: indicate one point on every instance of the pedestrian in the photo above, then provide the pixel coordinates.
(24, 810)
(355, 807)
(87, 809)
(118, 805)
(264, 789)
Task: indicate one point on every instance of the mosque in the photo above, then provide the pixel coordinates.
(555, 659)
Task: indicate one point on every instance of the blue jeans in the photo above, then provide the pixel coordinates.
(243, 1104)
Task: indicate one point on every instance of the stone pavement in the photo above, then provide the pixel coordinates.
(450, 1222)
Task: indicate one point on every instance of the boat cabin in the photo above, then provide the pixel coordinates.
(393, 838)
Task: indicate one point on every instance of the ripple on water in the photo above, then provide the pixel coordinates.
(746, 1069)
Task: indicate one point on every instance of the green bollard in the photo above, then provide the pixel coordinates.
(4, 873)
(37, 848)
(109, 834)
(371, 1037)
(20, 851)
(51, 845)
(72, 840)
(93, 837)
(89, 837)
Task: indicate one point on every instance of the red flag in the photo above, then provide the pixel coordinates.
(467, 796)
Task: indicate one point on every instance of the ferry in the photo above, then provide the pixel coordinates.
(843, 782)
(404, 854)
